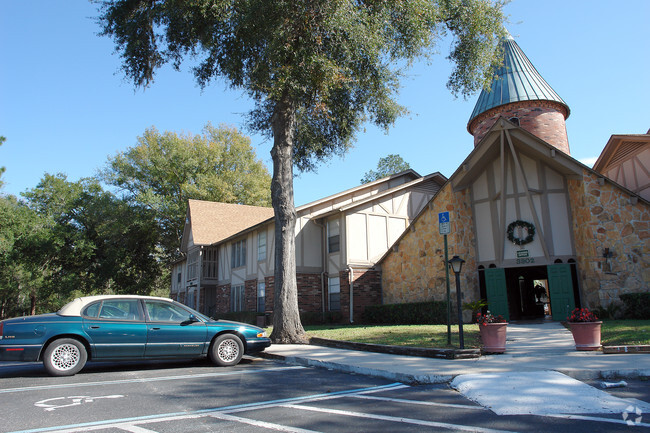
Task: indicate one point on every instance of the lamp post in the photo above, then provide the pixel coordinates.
(456, 264)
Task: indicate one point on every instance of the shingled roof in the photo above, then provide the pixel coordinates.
(212, 222)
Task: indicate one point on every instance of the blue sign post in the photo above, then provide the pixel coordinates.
(444, 227)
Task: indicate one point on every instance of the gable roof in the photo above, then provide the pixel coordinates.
(489, 147)
(436, 177)
(619, 148)
(212, 222)
(388, 180)
(515, 80)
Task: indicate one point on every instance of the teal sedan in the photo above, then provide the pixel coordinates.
(113, 328)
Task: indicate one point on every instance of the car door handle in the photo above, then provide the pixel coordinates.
(155, 329)
(94, 327)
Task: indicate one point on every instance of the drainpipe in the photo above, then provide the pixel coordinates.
(323, 264)
(351, 294)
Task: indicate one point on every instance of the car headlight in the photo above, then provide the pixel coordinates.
(261, 335)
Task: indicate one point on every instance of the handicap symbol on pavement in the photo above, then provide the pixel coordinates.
(51, 404)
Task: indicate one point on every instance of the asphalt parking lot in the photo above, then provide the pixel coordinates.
(257, 395)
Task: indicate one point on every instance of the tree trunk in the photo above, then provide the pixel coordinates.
(286, 316)
(32, 301)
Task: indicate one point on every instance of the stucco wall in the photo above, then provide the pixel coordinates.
(414, 271)
(605, 216)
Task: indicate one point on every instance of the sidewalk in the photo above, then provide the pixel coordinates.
(529, 347)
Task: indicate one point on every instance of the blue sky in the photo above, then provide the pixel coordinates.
(66, 107)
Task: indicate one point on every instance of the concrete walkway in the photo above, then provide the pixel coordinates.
(529, 347)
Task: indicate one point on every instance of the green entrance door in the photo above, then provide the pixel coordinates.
(560, 286)
(496, 291)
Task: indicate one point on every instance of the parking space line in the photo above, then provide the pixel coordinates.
(264, 424)
(599, 419)
(152, 379)
(423, 403)
(396, 419)
(117, 423)
(136, 429)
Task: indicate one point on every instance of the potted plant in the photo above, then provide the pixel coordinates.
(585, 328)
(475, 307)
(493, 332)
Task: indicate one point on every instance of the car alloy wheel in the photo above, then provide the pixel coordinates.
(64, 357)
(227, 350)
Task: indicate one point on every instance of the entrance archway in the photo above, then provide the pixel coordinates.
(531, 292)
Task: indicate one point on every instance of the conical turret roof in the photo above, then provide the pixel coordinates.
(516, 80)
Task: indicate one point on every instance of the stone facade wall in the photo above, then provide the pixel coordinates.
(544, 119)
(414, 270)
(605, 216)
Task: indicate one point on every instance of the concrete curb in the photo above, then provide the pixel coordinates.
(345, 368)
(398, 350)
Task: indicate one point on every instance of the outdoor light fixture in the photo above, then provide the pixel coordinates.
(456, 264)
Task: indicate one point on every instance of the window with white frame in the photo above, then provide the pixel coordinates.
(237, 301)
(193, 265)
(239, 253)
(261, 246)
(334, 292)
(191, 299)
(261, 293)
(333, 236)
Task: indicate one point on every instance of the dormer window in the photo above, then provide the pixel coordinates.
(514, 120)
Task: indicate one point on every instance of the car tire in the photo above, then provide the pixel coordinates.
(226, 350)
(65, 357)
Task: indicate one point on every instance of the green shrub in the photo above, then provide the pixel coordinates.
(327, 317)
(249, 317)
(612, 311)
(433, 312)
(637, 305)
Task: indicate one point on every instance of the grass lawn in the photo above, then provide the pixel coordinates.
(613, 333)
(625, 332)
(398, 335)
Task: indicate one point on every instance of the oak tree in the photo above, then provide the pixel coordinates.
(317, 70)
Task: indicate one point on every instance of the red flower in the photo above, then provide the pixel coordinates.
(484, 319)
(582, 315)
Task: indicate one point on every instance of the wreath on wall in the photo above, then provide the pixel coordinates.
(530, 229)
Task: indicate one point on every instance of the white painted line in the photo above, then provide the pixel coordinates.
(263, 424)
(147, 380)
(423, 403)
(136, 429)
(599, 419)
(396, 419)
(117, 423)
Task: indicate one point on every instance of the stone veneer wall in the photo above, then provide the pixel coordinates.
(414, 271)
(543, 119)
(605, 217)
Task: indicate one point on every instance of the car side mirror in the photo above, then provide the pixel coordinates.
(190, 320)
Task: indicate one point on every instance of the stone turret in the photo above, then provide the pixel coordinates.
(520, 94)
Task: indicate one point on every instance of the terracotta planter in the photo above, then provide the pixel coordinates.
(586, 335)
(493, 336)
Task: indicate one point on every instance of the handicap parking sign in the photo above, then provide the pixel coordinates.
(444, 226)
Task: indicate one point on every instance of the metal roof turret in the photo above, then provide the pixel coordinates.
(515, 81)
